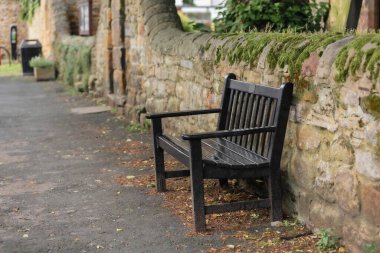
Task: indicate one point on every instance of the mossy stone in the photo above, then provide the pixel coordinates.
(371, 105)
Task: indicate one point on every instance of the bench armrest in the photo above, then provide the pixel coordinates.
(181, 113)
(228, 133)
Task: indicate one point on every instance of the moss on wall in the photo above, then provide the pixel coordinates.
(75, 64)
(377, 150)
(287, 51)
(371, 105)
(363, 54)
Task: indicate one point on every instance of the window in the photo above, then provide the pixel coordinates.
(85, 22)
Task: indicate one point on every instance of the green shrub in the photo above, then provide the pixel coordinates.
(247, 15)
(40, 62)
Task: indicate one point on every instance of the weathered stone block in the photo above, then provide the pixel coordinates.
(309, 66)
(349, 97)
(187, 64)
(326, 104)
(371, 204)
(340, 150)
(327, 60)
(322, 121)
(357, 233)
(118, 57)
(346, 191)
(367, 164)
(325, 215)
(117, 39)
(299, 112)
(324, 181)
(308, 138)
(302, 170)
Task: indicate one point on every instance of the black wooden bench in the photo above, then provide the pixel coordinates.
(247, 144)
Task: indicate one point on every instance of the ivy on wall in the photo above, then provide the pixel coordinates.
(28, 8)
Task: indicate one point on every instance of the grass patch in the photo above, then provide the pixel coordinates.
(10, 70)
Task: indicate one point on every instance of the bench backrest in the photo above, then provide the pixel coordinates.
(247, 105)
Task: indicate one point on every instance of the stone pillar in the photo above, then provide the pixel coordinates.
(118, 52)
(369, 15)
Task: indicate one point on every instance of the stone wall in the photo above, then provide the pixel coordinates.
(50, 22)
(331, 161)
(56, 19)
(141, 60)
(10, 10)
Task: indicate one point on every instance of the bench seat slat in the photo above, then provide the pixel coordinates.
(215, 152)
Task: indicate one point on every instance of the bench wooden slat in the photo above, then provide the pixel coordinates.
(256, 89)
(223, 153)
(175, 150)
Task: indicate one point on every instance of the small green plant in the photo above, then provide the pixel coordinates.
(326, 240)
(40, 62)
(134, 127)
(369, 248)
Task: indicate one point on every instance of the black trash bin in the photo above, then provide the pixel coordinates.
(29, 49)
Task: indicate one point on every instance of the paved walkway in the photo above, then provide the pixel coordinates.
(57, 192)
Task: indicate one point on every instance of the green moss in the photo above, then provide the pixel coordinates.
(286, 49)
(371, 105)
(378, 144)
(289, 48)
(75, 64)
(353, 58)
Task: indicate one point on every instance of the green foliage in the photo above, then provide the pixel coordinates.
(75, 64)
(371, 105)
(189, 25)
(369, 248)
(247, 15)
(287, 50)
(353, 57)
(188, 2)
(40, 62)
(10, 70)
(326, 240)
(28, 8)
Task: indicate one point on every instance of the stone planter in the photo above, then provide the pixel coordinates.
(44, 74)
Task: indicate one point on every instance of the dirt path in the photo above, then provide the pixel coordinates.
(57, 189)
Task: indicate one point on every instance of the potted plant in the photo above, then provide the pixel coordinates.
(43, 69)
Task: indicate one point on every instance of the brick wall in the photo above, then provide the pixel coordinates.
(9, 10)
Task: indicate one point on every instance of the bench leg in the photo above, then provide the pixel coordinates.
(160, 169)
(158, 156)
(275, 195)
(197, 187)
